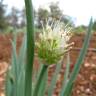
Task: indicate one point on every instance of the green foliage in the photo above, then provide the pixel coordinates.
(19, 76)
(30, 47)
(3, 23)
(54, 79)
(94, 26)
(80, 29)
(37, 30)
(16, 73)
(13, 17)
(57, 14)
(79, 62)
(41, 82)
(43, 15)
(55, 11)
(66, 75)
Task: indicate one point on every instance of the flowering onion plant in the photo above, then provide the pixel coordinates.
(53, 42)
(52, 45)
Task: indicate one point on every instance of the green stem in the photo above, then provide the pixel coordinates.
(30, 47)
(39, 81)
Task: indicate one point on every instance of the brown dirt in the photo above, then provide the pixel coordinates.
(85, 84)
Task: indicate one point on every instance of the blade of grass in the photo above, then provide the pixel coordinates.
(39, 81)
(54, 79)
(42, 88)
(66, 74)
(13, 70)
(8, 85)
(79, 61)
(30, 47)
(21, 68)
(21, 84)
(37, 76)
(37, 73)
(21, 56)
(70, 90)
(11, 78)
(67, 69)
(14, 58)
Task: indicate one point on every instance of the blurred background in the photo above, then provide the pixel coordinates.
(75, 12)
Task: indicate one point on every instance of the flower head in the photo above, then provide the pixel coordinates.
(53, 42)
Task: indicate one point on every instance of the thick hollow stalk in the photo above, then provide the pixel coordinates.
(30, 47)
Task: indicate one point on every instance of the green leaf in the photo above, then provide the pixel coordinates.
(37, 73)
(40, 80)
(79, 60)
(8, 85)
(54, 79)
(12, 76)
(14, 70)
(21, 68)
(22, 56)
(68, 92)
(15, 78)
(66, 75)
(21, 84)
(43, 85)
(30, 47)
(14, 60)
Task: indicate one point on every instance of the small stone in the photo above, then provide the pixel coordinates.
(93, 77)
(88, 91)
(87, 65)
(82, 88)
(2, 94)
(94, 57)
(78, 91)
(93, 65)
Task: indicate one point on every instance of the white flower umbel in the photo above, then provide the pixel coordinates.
(53, 42)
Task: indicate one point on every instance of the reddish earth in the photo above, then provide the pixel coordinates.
(85, 84)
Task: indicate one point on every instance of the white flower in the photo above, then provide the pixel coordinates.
(53, 42)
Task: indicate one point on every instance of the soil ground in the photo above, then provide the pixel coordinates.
(85, 84)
